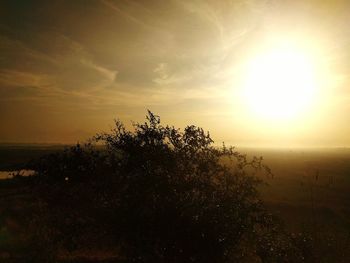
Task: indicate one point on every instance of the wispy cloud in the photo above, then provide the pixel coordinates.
(124, 11)
(114, 56)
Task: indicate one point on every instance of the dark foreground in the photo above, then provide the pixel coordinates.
(310, 191)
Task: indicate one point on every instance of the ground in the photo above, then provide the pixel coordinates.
(310, 191)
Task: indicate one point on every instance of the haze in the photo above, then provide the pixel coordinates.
(68, 68)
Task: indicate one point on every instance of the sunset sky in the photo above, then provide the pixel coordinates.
(68, 68)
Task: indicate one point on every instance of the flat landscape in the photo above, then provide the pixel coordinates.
(309, 191)
(300, 176)
(303, 179)
(308, 181)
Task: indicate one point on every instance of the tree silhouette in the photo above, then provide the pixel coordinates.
(159, 193)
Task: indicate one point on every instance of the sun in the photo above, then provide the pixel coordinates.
(280, 83)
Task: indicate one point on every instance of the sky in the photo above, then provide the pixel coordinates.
(69, 68)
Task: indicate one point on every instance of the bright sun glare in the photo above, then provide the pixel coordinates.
(280, 83)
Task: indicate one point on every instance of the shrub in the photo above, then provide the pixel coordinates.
(161, 194)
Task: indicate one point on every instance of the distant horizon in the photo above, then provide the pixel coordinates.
(237, 146)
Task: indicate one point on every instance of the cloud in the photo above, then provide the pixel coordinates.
(17, 78)
(165, 77)
(105, 57)
(110, 75)
(125, 13)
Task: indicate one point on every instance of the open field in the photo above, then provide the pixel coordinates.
(302, 177)
(308, 185)
(310, 190)
(16, 156)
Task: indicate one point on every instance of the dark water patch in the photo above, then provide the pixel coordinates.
(11, 174)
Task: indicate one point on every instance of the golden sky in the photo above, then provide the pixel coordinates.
(68, 68)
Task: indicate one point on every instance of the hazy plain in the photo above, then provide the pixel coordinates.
(309, 190)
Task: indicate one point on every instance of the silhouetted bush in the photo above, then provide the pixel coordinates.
(161, 195)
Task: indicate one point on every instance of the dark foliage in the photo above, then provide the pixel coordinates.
(161, 195)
